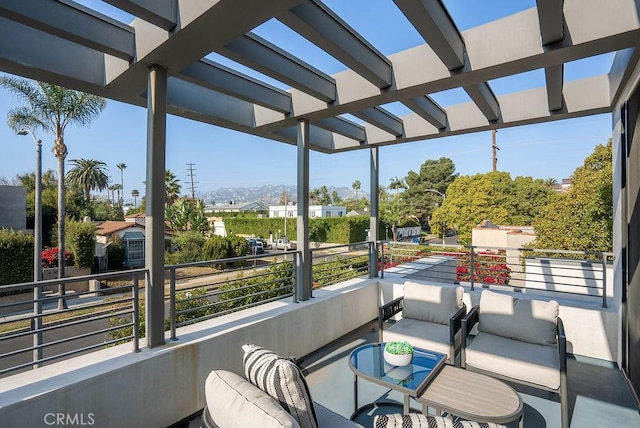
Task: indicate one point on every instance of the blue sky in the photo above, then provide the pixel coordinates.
(225, 158)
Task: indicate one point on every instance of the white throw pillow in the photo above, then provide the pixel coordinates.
(283, 380)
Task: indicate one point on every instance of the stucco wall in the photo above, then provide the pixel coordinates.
(13, 200)
(157, 387)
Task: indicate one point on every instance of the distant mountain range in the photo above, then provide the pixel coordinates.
(268, 194)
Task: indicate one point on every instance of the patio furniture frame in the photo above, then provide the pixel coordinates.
(473, 317)
(395, 306)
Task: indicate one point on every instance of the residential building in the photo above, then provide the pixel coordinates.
(315, 211)
(487, 234)
(13, 215)
(234, 207)
(132, 233)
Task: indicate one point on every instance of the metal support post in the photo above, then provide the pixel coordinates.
(172, 304)
(155, 194)
(374, 224)
(303, 282)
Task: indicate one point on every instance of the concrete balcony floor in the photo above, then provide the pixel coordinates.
(598, 393)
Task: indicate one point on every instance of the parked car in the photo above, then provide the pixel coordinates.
(255, 247)
(283, 244)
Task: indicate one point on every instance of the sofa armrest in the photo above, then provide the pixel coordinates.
(562, 349)
(468, 322)
(386, 311)
(562, 346)
(455, 339)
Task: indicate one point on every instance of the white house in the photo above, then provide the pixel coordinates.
(315, 211)
(234, 207)
(132, 232)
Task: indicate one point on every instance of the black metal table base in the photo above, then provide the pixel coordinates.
(364, 415)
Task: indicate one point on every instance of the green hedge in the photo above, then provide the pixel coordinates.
(81, 241)
(338, 230)
(16, 257)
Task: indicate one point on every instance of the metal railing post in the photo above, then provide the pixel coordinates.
(604, 280)
(136, 313)
(36, 326)
(371, 248)
(295, 260)
(471, 267)
(381, 260)
(172, 304)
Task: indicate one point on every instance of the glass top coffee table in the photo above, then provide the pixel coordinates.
(367, 362)
(432, 383)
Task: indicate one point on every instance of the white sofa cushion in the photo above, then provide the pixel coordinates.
(413, 420)
(529, 362)
(426, 335)
(283, 380)
(532, 321)
(431, 303)
(233, 402)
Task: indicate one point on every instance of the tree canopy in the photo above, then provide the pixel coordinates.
(491, 196)
(582, 218)
(417, 200)
(90, 174)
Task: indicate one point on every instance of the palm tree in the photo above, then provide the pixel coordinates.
(112, 188)
(89, 174)
(397, 184)
(171, 188)
(134, 194)
(550, 182)
(52, 108)
(122, 166)
(356, 186)
(118, 188)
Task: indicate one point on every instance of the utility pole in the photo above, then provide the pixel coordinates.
(190, 169)
(494, 149)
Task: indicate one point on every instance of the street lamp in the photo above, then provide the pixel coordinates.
(443, 198)
(37, 252)
(37, 228)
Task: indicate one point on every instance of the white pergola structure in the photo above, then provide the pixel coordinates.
(158, 61)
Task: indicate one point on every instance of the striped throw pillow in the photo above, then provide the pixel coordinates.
(282, 380)
(415, 420)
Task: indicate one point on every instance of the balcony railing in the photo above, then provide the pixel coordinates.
(337, 263)
(204, 290)
(577, 273)
(34, 333)
(34, 326)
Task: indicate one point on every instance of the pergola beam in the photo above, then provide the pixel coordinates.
(433, 22)
(482, 95)
(551, 20)
(225, 80)
(265, 57)
(429, 110)
(342, 126)
(383, 119)
(322, 27)
(554, 77)
(162, 13)
(73, 22)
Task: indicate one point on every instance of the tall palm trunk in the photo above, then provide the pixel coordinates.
(60, 150)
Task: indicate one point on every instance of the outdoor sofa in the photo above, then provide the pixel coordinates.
(518, 340)
(431, 318)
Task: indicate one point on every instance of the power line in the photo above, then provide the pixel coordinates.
(190, 170)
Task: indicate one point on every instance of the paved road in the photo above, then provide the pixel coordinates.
(51, 336)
